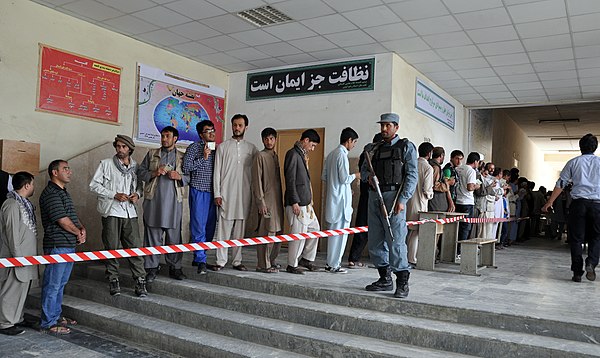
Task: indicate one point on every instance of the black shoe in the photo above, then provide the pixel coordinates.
(115, 288)
(576, 278)
(176, 274)
(294, 270)
(385, 281)
(402, 284)
(309, 265)
(194, 263)
(590, 272)
(202, 268)
(12, 331)
(28, 324)
(151, 274)
(140, 287)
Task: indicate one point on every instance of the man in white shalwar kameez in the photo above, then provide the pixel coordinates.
(338, 207)
(231, 184)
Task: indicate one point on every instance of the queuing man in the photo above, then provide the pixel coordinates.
(162, 174)
(198, 163)
(456, 158)
(266, 188)
(442, 199)
(338, 207)
(395, 164)
(116, 185)
(62, 232)
(298, 203)
(466, 185)
(18, 238)
(584, 173)
(233, 173)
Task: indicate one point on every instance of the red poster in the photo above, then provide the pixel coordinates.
(78, 86)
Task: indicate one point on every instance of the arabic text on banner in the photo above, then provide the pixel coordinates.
(433, 105)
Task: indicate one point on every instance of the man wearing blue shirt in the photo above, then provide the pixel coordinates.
(395, 164)
(583, 225)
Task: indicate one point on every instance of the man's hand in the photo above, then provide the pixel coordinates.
(121, 197)
(160, 171)
(174, 175)
(451, 208)
(296, 209)
(219, 201)
(263, 210)
(398, 208)
(82, 236)
(134, 198)
(547, 207)
(206, 151)
(357, 175)
(450, 181)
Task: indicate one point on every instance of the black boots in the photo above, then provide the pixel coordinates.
(114, 287)
(140, 287)
(385, 281)
(402, 284)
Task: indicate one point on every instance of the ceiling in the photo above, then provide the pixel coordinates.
(482, 52)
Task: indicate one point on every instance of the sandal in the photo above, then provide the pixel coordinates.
(64, 322)
(56, 330)
(354, 265)
(240, 267)
(215, 267)
(267, 270)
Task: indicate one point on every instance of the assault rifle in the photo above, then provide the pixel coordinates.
(375, 182)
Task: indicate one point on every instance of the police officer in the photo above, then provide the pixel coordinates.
(394, 162)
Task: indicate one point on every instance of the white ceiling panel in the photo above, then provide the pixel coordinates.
(247, 54)
(493, 34)
(449, 39)
(491, 88)
(502, 47)
(443, 76)
(306, 9)
(510, 59)
(589, 72)
(330, 54)
(524, 86)
(310, 44)
(554, 66)
(129, 5)
(478, 62)
(574, 82)
(535, 11)
(406, 45)
(587, 51)
(228, 24)
(290, 31)
(525, 77)
(345, 5)
(543, 28)
(562, 54)
(420, 56)
(329, 24)
(278, 49)
(193, 49)
(437, 66)
(513, 69)
(418, 9)
(591, 62)
(92, 10)
(368, 49)
(130, 25)
(299, 58)
(220, 58)
(484, 81)
(580, 7)
(374, 16)
(268, 63)
(161, 16)
(195, 9)
(585, 22)
(586, 38)
(458, 52)
(483, 18)
(458, 6)
(163, 37)
(390, 32)
(435, 25)
(350, 38)
(236, 5)
(194, 30)
(255, 37)
(548, 42)
(222, 43)
(476, 73)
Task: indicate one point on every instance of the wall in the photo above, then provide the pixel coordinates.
(23, 25)
(417, 126)
(510, 142)
(481, 133)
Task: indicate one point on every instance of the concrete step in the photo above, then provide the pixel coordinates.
(279, 334)
(400, 328)
(164, 335)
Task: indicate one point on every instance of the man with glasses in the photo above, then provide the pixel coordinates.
(198, 163)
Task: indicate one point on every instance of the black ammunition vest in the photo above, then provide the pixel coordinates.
(388, 163)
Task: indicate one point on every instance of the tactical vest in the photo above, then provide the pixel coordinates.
(388, 163)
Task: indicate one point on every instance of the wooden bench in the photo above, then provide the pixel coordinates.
(468, 255)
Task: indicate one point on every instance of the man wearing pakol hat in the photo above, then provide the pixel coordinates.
(115, 182)
(394, 162)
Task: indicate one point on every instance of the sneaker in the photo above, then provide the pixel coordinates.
(338, 270)
(202, 268)
(294, 270)
(115, 288)
(590, 272)
(140, 287)
(176, 274)
(12, 331)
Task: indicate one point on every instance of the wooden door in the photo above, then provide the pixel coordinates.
(285, 141)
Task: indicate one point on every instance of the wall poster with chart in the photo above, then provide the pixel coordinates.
(165, 99)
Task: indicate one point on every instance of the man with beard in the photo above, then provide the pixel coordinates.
(162, 173)
(116, 185)
(232, 175)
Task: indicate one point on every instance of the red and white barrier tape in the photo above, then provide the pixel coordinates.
(492, 220)
(169, 249)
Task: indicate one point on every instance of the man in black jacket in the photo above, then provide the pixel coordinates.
(298, 203)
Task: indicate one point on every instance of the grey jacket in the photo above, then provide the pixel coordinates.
(297, 178)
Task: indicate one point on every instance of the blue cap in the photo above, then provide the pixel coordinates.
(389, 117)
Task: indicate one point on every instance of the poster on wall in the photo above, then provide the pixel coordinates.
(336, 77)
(165, 99)
(78, 86)
(433, 105)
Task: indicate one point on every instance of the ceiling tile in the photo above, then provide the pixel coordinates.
(525, 77)
(478, 62)
(406, 45)
(483, 18)
(585, 22)
(193, 49)
(350, 38)
(130, 25)
(345, 5)
(195, 9)
(129, 5)
(491, 88)
(586, 38)
(374, 16)
(462, 90)
(449, 39)
(595, 88)
(247, 54)
(436, 25)
(219, 59)
(513, 69)
(93, 10)
(238, 67)
(500, 48)
(453, 53)
(543, 28)
(554, 66)
(548, 42)
(254, 37)
(477, 72)
(468, 96)
(278, 49)
(53, 2)
(418, 9)
(591, 62)
(581, 7)
(420, 56)
(161, 16)
(433, 66)
(236, 5)
(329, 24)
(290, 31)
(333, 54)
(369, 49)
(551, 55)
(442, 76)
(510, 59)
(541, 10)
(533, 99)
(524, 86)
(222, 43)
(589, 72)
(163, 37)
(311, 44)
(558, 75)
(306, 9)
(563, 90)
(497, 95)
(390, 32)
(561, 83)
(452, 83)
(529, 92)
(299, 58)
(268, 63)
(457, 6)
(228, 24)
(484, 81)
(493, 34)
(194, 30)
(587, 51)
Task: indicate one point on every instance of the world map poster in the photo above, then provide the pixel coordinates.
(78, 86)
(166, 99)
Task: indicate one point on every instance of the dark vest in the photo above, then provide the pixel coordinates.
(388, 163)
(439, 201)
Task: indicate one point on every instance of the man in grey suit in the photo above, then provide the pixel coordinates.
(18, 232)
